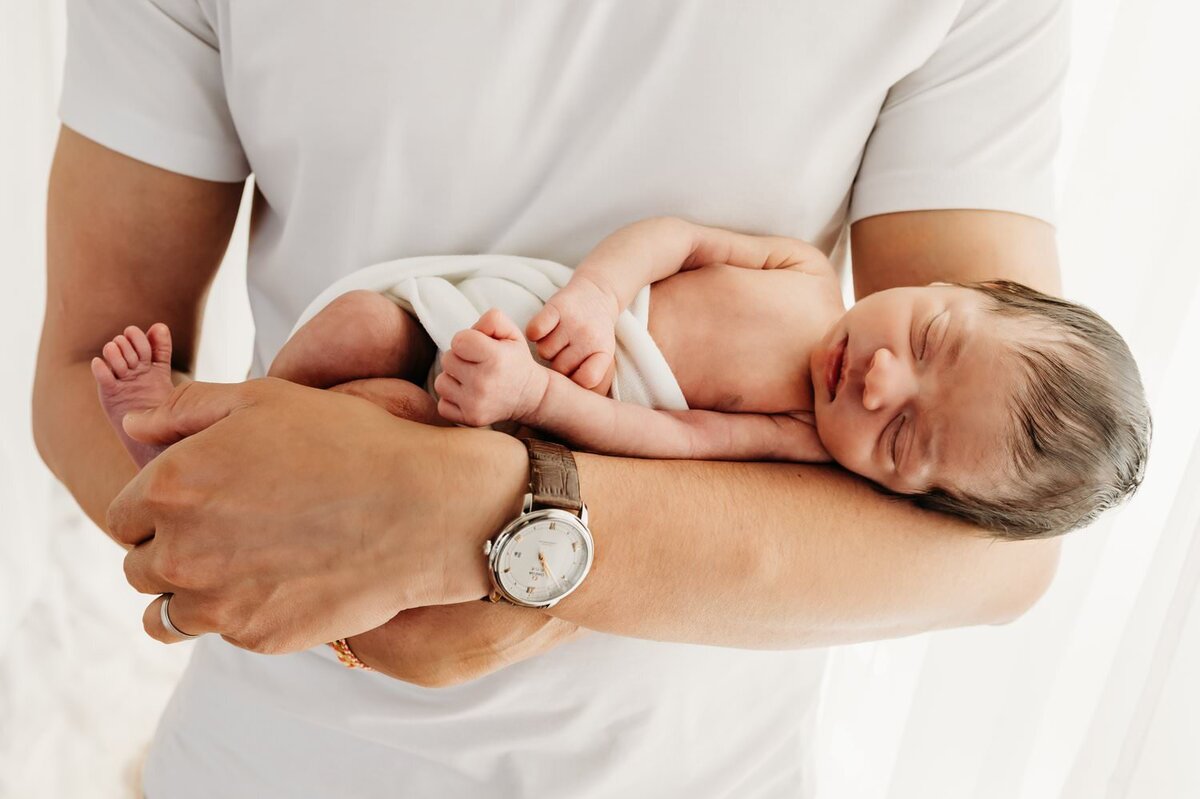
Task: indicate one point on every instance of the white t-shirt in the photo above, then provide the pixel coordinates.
(378, 130)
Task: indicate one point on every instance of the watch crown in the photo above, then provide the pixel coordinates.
(487, 547)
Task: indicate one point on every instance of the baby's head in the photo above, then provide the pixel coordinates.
(1019, 411)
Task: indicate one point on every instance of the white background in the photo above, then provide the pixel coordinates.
(1091, 694)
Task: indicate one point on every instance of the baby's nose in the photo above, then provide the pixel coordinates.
(886, 382)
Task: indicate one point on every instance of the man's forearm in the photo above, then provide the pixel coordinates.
(781, 556)
(75, 438)
(126, 243)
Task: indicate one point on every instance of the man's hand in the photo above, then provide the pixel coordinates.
(445, 645)
(489, 375)
(287, 516)
(575, 331)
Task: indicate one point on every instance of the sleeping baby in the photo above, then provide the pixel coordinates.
(1018, 411)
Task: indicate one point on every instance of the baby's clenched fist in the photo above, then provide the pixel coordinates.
(574, 331)
(489, 375)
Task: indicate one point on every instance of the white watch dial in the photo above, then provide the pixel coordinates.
(544, 560)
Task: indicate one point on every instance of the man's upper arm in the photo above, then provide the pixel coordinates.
(147, 176)
(127, 243)
(913, 248)
(975, 126)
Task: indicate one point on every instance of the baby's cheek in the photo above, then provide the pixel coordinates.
(845, 443)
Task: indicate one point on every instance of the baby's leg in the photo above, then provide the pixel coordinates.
(360, 334)
(134, 374)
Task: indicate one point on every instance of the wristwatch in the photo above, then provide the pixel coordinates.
(543, 555)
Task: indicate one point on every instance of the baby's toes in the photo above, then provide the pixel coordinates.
(128, 352)
(159, 336)
(115, 359)
(103, 373)
(141, 344)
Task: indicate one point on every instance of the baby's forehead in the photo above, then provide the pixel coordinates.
(973, 413)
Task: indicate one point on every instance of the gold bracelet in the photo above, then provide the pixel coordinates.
(346, 655)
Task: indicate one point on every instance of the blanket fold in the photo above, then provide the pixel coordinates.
(447, 293)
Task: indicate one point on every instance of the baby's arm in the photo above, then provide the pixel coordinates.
(574, 331)
(648, 251)
(489, 376)
(596, 423)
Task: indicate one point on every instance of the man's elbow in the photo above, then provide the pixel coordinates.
(42, 426)
(1034, 577)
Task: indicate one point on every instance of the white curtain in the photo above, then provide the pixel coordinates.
(1091, 694)
(1094, 692)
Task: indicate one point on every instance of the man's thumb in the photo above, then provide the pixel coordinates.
(190, 408)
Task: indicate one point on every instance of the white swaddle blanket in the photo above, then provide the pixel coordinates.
(447, 293)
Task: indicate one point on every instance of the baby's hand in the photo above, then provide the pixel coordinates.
(574, 331)
(488, 375)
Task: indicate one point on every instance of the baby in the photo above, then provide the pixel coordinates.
(1018, 411)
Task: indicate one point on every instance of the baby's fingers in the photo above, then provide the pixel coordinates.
(447, 386)
(542, 323)
(496, 324)
(456, 367)
(593, 369)
(473, 345)
(450, 411)
(567, 361)
(552, 345)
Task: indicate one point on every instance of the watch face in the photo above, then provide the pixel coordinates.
(544, 558)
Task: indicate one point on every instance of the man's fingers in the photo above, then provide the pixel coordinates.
(140, 571)
(152, 620)
(190, 408)
(130, 520)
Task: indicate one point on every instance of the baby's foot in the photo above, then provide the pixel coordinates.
(134, 374)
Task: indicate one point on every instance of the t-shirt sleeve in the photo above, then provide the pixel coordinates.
(143, 77)
(978, 124)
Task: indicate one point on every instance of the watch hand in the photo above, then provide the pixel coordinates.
(546, 568)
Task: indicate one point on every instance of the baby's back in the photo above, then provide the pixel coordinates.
(739, 339)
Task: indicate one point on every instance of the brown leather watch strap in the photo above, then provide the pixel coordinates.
(553, 476)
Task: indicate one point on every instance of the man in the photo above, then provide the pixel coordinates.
(285, 517)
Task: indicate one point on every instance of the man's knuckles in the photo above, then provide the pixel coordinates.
(194, 569)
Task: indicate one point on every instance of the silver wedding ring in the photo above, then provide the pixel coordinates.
(165, 614)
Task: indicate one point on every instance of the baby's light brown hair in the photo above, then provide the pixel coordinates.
(1081, 423)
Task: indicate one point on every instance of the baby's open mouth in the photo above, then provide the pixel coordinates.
(835, 368)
